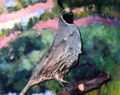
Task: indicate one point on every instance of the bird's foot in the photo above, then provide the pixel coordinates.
(70, 83)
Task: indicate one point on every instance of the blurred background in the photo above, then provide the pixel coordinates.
(27, 30)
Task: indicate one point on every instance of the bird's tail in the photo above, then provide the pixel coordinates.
(26, 88)
(30, 83)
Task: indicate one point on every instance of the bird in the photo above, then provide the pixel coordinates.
(62, 54)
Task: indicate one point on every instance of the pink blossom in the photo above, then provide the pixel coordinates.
(51, 24)
(4, 42)
(2, 1)
(90, 19)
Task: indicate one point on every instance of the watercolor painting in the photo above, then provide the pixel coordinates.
(27, 29)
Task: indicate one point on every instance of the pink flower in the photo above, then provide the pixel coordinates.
(2, 1)
(51, 24)
(4, 42)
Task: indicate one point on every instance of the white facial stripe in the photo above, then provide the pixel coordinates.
(66, 10)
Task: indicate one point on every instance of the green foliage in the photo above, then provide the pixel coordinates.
(26, 43)
(27, 50)
(23, 4)
(108, 8)
(47, 15)
(56, 9)
(32, 2)
(75, 3)
(17, 7)
(47, 37)
(20, 4)
(28, 61)
(111, 11)
(85, 13)
(32, 22)
(18, 27)
(110, 89)
(101, 42)
(1, 8)
(4, 33)
(53, 85)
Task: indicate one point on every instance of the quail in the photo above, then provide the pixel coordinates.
(61, 56)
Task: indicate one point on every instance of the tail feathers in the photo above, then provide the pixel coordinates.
(26, 88)
(30, 84)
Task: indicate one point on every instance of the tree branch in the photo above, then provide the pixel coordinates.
(87, 85)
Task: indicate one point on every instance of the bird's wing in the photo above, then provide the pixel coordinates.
(49, 59)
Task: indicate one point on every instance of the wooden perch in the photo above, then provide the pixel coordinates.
(87, 85)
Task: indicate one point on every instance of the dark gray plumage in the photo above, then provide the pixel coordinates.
(57, 61)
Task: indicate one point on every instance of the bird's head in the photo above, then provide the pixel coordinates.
(67, 16)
